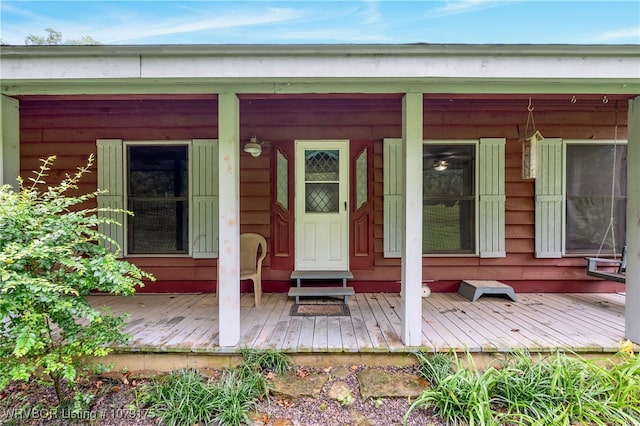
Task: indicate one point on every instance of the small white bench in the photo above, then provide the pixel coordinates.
(317, 291)
(473, 289)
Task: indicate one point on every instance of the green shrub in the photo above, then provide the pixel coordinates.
(186, 398)
(181, 398)
(458, 394)
(434, 367)
(50, 259)
(262, 361)
(237, 394)
(561, 389)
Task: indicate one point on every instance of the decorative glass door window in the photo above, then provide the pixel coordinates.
(322, 181)
(157, 194)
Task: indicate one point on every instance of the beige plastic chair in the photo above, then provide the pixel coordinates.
(250, 262)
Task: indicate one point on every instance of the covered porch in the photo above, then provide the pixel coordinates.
(189, 323)
(221, 81)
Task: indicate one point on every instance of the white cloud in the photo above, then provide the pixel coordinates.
(324, 35)
(205, 22)
(371, 14)
(117, 24)
(455, 7)
(631, 33)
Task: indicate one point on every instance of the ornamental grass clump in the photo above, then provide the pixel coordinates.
(266, 360)
(186, 398)
(51, 257)
(559, 389)
(181, 398)
(458, 394)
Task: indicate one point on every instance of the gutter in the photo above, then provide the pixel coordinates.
(326, 50)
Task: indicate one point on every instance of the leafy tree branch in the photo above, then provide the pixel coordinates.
(51, 257)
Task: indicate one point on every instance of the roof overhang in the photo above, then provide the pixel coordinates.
(194, 69)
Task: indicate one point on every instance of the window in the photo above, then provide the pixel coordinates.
(322, 181)
(158, 196)
(573, 197)
(589, 205)
(172, 188)
(463, 197)
(449, 200)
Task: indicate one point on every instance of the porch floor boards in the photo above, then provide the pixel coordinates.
(585, 322)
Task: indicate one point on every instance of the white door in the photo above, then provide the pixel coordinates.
(321, 209)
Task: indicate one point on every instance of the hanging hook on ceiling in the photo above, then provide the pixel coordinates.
(573, 99)
(605, 100)
(529, 143)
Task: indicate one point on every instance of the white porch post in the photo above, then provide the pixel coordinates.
(9, 141)
(412, 241)
(229, 218)
(632, 302)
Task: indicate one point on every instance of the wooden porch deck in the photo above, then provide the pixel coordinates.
(188, 323)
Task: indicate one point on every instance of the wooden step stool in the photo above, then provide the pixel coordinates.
(340, 291)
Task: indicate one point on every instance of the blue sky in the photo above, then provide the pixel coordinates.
(368, 21)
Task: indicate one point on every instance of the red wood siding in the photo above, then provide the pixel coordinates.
(477, 118)
(69, 127)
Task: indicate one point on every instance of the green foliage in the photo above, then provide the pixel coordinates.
(275, 361)
(461, 396)
(186, 398)
(237, 394)
(435, 367)
(181, 398)
(570, 389)
(346, 400)
(50, 259)
(561, 389)
(54, 38)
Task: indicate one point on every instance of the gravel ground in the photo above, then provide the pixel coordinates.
(30, 404)
(329, 412)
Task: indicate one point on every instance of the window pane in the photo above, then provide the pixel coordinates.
(157, 194)
(158, 227)
(448, 227)
(157, 171)
(590, 170)
(448, 170)
(322, 175)
(449, 199)
(321, 165)
(282, 180)
(322, 197)
(361, 179)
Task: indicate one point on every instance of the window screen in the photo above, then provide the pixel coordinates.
(157, 194)
(449, 199)
(590, 171)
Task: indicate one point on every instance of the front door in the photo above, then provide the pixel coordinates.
(321, 205)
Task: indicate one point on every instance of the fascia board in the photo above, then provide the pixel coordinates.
(317, 67)
(302, 86)
(407, 67)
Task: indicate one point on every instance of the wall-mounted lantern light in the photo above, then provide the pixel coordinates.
(253, 147)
